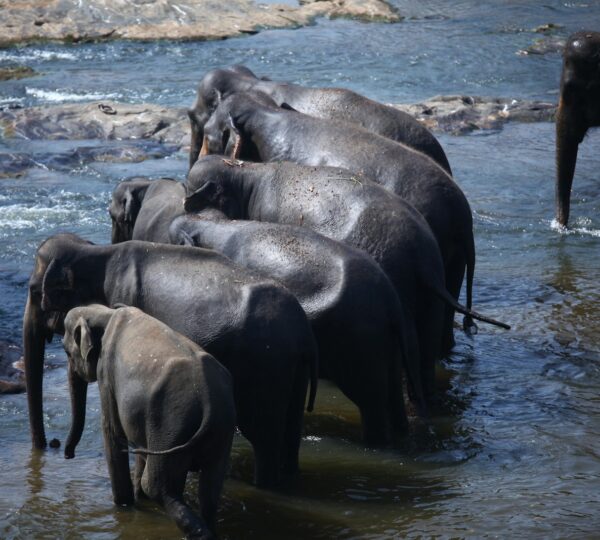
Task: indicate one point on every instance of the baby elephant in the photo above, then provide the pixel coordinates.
(162, 395)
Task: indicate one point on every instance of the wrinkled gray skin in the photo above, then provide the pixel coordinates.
(251, 324)
(242, 127)
(345, 207)
(578, 110)
(329, 103)
(142, 209)
(163, 395)
(353, 308)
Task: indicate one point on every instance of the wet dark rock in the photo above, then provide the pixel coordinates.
(15, 72)
(545, 45)
(464, 114)
(14, 165)
(73, 21)
(12, 380)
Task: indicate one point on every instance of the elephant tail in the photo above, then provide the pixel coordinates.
(446, 297)
(196, 437)
(469, 325)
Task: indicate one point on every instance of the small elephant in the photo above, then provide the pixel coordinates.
(161, 394)
(345, 207)
(358, 322)
(243, 127)
(329, 103)
(578, 110)
(142, 209)
(254, 326)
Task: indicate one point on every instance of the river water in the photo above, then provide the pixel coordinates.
(515, 451)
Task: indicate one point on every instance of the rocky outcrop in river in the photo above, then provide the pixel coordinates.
(76, 21)
(12, 380)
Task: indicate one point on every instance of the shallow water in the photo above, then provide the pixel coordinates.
(516, 450)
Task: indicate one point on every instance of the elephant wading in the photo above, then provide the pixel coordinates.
(163, 395)
(142, 209)
(331, 103)
(348, 208)
(578, 110)
(251, 324)
(358, 322)
(245, 128)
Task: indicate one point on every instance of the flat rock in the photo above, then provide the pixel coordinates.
(545, 45)
(12, 380)
(464, 114)
(76, 21)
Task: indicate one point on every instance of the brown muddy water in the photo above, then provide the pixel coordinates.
(514, 451)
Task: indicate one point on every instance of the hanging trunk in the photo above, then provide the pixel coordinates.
(195, 143)
(34, 334)
(78, 388)
(567, 144)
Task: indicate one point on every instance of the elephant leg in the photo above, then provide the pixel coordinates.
(294, 423)
(430, 326)
(117, 457)
(455, 273)
(209, 488)
(140, 464)
(164, 481)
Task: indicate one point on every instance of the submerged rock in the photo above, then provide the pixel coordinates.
(15, 72)
(545, 45)
(74, 21)
(463, 114)
(12, 380)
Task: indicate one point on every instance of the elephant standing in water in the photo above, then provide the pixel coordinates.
(578, 110)
(163, 395)
(348, 208)
(250, 323)
(329, 103)
(246, 128)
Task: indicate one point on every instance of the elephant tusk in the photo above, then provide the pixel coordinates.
(204, 150)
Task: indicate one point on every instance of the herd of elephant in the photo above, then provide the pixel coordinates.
(319, 234)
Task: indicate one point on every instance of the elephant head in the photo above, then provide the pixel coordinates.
(213, 183)
(229, 130)
(578, 110)
(60, 280)
(214, 86)
(125, 206)
(83, 331)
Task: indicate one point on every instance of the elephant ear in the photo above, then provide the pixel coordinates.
(56, 277)
(202, 197)
(83, 337)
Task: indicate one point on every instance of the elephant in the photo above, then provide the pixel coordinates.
(245, 128)
(160, 393)
(358, 322)
(578, 110)
(142, 209)
(348, 208)
(251, 324)
(328, 103)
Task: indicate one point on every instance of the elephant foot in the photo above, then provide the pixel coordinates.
(469, 326)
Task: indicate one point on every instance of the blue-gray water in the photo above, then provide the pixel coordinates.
(518, 451)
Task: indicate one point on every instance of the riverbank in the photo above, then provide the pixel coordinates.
(26, 21)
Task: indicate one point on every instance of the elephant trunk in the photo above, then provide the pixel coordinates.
(195, 143)
(567, 144)
(78, 388)
(34, 334)
(121, 232)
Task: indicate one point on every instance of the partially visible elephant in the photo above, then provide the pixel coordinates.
(330, 103)
(142, 209)
(242, 127)
(159, 393)
(359, 324)
(251, 324)
(578, 110)
(345, 207)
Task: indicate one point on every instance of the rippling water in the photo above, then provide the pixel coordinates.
(515, 451)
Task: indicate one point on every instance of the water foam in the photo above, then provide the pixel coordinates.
(581, 227)
(56, 96)
(31, 55)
